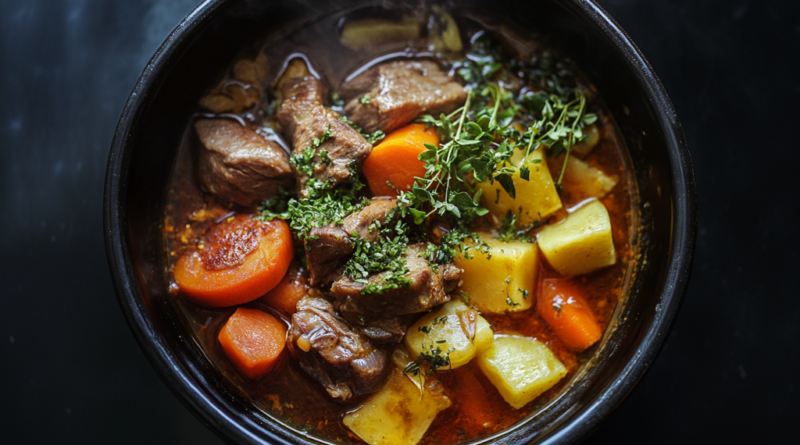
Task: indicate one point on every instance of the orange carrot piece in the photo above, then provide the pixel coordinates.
(287, 293)
(253, 341)
(564, 308)
(396, 159)
(241, 260)
(472, 398)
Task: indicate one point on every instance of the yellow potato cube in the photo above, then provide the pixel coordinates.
(536, 198)
(581, 243)
(454, 326)
(582, 179)
(363, 33)
(521, 368)
(501, 281)
(582, 149)
(397, 414)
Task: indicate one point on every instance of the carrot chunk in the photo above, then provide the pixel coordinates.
(252, 341)
(241, 260)
(396, 159)
(564, 308)
(288, 292)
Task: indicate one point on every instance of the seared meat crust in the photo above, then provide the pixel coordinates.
(399, 92)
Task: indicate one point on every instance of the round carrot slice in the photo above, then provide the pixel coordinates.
(396, 159)
(253, 341)
(241, 260)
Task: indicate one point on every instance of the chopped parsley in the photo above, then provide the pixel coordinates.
(304, 161)
(326, 207)
(435, 359)
(372, 138)
(386, 257)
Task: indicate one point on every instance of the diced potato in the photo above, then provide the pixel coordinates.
(397, 414)
(581, 243)
(521, 368)
(501, 281)
(368, 32)
(582, 149)
(456, 326)
(582, 179)
(536, 198)
(444, 32)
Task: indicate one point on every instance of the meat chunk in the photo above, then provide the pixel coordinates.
(333, 150)
(393, 94)
(238, 165)
(383, 330)
(339, 357)
(328, 247)
(242, 91)
(428, 288)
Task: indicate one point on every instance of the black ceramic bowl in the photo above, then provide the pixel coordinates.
(144, 149)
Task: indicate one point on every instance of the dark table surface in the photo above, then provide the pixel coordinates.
(71, 372)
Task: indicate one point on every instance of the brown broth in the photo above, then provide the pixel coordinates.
(288, 394)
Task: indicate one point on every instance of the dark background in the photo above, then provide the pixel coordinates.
(71, 372)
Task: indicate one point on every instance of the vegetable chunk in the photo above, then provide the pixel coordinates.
(563, 307)
(287, 293)
(536, 198)
(367, 32)
(397, 415)
(253, 341)
(454, 326)
(581, 243)
(582, 149)
(501, 281)
(238, 261)
(396, 159)
(582, 179)
(521, 368)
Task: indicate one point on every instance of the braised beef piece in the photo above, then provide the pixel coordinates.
(428, 289)
(328, 247)
(304, 118)
(393, 94)
(335, 354)
(382, 330)
(238, 165)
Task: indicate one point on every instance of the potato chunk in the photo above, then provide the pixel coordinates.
(367, 32)
(521, 368)
(536, 198)
(397, 414)
(501, 281)
(582, 149)
(581, 179)
(581, 243)
(454, 326)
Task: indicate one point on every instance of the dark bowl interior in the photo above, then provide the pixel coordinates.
(150, 129)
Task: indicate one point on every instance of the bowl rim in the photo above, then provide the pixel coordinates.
(179, 380)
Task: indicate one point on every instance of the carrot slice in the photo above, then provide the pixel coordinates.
(253, 341)
(396, 159)
(564, 308)
(288, 292)
(241, 260)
